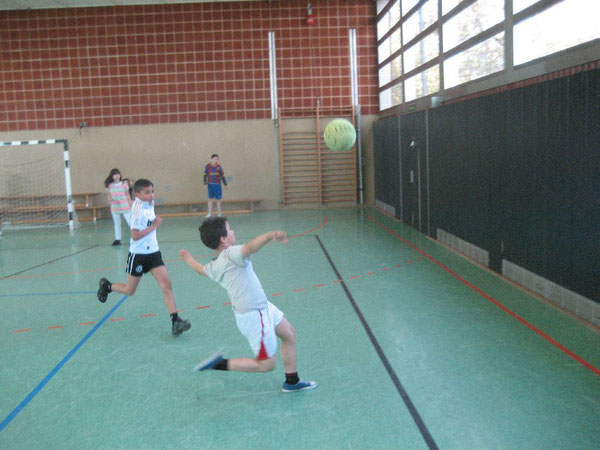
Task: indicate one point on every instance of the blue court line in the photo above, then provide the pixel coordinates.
(48, 293)
(54, 371)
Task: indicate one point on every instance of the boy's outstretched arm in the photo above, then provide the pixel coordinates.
(259, 242)
(187, 257)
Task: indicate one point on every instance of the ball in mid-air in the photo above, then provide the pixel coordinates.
(339, 135)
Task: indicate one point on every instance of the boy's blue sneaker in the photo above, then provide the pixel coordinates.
(210, 363)
(299, 386)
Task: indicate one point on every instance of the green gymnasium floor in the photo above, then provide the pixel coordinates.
(415, 347)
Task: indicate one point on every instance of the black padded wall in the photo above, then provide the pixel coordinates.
(386, 155)
(518, 174)
(413, 167)
(463, 141)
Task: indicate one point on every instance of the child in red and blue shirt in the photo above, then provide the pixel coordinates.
(213, 176)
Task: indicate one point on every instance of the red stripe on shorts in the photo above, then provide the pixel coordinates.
(262, 353)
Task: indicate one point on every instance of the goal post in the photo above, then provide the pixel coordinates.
(35, 184)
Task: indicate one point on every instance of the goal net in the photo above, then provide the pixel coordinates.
(35, 184)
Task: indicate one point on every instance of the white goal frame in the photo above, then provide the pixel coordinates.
(69, 193)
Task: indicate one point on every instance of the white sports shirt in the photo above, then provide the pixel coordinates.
(142, 216)
(235, 273)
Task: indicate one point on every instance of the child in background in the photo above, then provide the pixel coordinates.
(119, 200)
(130, 183)
(144, 255)
(213, 176)
(258, 320)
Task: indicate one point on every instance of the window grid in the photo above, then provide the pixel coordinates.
(483, 38)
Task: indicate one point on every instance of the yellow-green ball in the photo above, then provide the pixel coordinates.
(340, 135)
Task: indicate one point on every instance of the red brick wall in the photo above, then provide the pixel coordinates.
(179, 63)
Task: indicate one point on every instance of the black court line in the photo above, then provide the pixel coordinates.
(47, 262)
(405, 397)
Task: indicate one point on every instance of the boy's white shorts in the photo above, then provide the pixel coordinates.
(258, 327)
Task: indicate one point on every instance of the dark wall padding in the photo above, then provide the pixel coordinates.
(413, 128)
(387, 174)
(518, 174)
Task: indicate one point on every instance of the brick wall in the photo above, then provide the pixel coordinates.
(179, 63)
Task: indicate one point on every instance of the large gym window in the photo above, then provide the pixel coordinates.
(472, 21)
(391, 70)
(562, 26)
(520, 5)
(424, 83)
(469, 40)
(478, 61)
(421, 52)
(391, 96)
(423, 18)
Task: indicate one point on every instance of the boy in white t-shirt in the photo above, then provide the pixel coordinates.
(257, 319)
(144, 255)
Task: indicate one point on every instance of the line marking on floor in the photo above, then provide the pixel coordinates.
(102, 269)
(54, 371)
(488, 297)
(227, 303)
(47, 262)
(425, 433)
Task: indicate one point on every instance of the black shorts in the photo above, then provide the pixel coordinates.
(137, 264)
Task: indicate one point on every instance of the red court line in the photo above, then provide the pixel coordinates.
(310, 231)
(105, 269)
(208, 306)
(557, 344)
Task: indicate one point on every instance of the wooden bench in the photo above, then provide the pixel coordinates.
(44, 204)
(167, 209)
(176, 209)
(86, 199)
(95, 210)
(34, 204)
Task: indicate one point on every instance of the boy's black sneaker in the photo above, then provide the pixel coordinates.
(103, 289)
(116, 242)
(179, 326)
